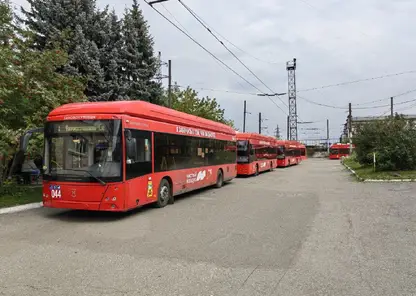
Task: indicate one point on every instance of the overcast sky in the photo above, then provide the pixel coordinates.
(333, 40)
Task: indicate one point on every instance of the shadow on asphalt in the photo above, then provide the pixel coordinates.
(98, 216)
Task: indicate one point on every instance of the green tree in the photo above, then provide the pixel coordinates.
(188, 101)
(393, 140)
(138, 60)
(30, 86)
(116, 55)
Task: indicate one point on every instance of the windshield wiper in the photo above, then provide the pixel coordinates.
(88, 172)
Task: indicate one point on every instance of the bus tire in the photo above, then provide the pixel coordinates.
(220, 179)
(164, 194)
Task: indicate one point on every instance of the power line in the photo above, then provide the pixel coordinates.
(236, 46)
(357, 81)
(355, 108)
(222, 90)
(205, 25)
(399, 95)
(204, 48)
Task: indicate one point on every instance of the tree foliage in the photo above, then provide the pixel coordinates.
(115, 55)
(187, 101)
(393, 140)
(30, 86)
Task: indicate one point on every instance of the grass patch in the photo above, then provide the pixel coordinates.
(26, 196)
(367, 172)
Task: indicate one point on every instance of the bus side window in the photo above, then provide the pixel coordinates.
(139, 160)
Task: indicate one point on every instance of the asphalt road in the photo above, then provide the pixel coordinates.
(305, 230)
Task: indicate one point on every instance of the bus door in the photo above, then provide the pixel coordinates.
(138, 159)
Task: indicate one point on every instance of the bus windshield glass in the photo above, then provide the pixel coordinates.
(242, 151)
(281, 152)
(83, 151)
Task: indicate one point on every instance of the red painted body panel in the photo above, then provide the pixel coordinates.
(248, 169)
(143, 190)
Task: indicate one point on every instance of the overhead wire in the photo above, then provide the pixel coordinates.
(184, 28)
(380, 100)
(203, 47)
(357, 81)
(237, 47)
(205, 25)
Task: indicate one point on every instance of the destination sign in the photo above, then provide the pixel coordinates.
(77, 127)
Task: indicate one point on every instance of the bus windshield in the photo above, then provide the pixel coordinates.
(281, 152)
(242, 151)
(83, 151)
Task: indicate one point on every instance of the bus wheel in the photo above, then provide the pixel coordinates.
(220, 179)
(164, 194)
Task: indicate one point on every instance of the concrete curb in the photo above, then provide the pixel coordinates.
(21, 208)
(352, 172)
(375, 180)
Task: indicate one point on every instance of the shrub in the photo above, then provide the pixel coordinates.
(393, 140)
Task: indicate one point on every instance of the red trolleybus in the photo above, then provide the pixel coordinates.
(336, 151)
(255, 153)
(288, 153)
(303, 151)
(116, 156)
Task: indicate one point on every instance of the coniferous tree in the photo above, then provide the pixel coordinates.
(115, 55)
(139, 62)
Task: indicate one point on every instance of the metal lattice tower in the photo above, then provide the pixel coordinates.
(293, 117)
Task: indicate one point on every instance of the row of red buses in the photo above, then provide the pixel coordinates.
(336, 151)
(116, 156)
(255, 153)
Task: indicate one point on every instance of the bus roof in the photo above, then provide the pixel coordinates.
(254, 136)
(143, 110)
(340, 145)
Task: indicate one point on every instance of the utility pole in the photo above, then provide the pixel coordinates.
(244, 116)
(277, 132)
(350, 126)
(260, 123)
(287, 127)
(391, 106)
(327, 135)
(170, 83)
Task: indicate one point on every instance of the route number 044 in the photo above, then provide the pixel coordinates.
(56, 193)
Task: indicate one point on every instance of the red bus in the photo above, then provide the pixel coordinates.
(116, 156)
(289, 153)
(303, 151)
(255, 153)
(336, 151)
